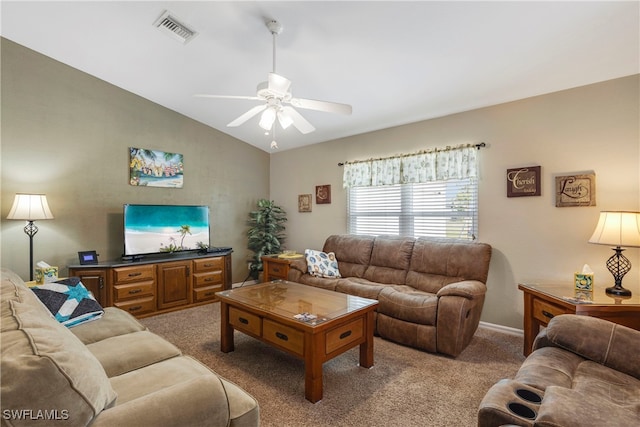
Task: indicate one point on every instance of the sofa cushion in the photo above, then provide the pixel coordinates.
(408, 304)
(69, 301)
(352, 252)
(114, 322)
(359, 287)
(45, 367)
(437, 262)
(318, 282)
(604, 383)
(390, 259)
(321, 264)
(128, 352)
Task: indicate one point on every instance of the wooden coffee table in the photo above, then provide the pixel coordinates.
(267, 312)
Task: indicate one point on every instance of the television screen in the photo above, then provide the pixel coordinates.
(164, 228)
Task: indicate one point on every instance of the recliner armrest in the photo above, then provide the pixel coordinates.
(599, 340)
(467, 288)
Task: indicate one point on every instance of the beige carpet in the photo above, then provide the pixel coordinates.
(406, 387)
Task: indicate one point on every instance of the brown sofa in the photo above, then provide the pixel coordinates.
(584, 371)
(430, 291)
(107, 372)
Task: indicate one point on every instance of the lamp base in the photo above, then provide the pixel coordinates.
(618, 291)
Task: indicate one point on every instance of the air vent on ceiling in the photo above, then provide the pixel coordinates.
(168, 24)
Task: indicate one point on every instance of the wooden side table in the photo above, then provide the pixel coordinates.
(274, 267)
(542, 302)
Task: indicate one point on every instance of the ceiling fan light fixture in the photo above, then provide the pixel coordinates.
(284, 119)
(267, 118)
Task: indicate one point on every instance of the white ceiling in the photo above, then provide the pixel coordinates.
(394, 62)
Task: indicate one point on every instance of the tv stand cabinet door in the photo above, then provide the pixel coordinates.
(95, 280)
(174, 284)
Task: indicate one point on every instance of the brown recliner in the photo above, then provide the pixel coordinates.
(584, 371)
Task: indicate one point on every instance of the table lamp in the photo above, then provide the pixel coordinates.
(30, 207)
(616, 228)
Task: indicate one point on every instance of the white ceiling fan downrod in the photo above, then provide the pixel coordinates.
(276, 28)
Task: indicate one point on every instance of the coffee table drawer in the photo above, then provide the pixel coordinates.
(544, 311)
(344, 335)
(244, 321)
(283, 336)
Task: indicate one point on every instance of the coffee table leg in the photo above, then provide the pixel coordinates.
(313, 367)
(226, 330)
(366, 348)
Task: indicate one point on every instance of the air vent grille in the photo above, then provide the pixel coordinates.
(168, 24)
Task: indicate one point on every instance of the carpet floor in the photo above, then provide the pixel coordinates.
(406, 387)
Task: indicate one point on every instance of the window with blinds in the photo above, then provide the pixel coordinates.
(443, 209)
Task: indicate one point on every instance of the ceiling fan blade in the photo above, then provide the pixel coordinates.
(279, 85)
(329, 107)
(246, 116)
(298, 121)
(203, 95)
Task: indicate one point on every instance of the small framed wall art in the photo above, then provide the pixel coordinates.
(576, 190)
(523, 181)
(323, 194)
(304, 203)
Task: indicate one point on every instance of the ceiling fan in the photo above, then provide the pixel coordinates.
(278, 101)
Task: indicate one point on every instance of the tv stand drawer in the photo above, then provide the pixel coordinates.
(134, 274)
(138, 306)
(134, 290)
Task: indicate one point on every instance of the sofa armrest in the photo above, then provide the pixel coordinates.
(195, 402)
(599, 340)
(467, 288)
(297, 268)
(459, 309)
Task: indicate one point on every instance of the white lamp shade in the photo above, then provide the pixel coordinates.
(30, 207)
(617, 229)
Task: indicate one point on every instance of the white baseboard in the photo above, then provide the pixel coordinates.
(504, 329)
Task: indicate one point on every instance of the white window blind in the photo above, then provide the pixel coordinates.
(445, 209)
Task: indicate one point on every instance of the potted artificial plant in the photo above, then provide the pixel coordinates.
(265, 233)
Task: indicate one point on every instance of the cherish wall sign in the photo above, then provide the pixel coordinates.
(523, 181)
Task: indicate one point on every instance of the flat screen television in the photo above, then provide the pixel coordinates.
(153, 229)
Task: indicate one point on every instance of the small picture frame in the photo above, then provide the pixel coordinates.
(576, 190)
(523, 181)
(304, 202)
(88, 257)
(323, 194)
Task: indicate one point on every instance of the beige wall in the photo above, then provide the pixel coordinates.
(592, 128)
(67, 134)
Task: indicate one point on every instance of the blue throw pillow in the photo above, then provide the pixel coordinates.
(69, 301)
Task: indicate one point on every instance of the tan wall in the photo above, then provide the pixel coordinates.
(67, 134)
(592, 128)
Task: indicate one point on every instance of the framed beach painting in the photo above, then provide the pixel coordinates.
(153, 168)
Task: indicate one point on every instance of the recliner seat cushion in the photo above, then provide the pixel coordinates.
(408, 304)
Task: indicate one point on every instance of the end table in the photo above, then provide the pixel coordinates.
(544, 301)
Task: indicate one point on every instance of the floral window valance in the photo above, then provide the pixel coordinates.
(434, 165)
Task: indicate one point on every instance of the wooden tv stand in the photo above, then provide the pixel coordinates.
(157, 285)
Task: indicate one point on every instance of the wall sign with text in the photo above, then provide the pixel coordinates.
(523, 181)
(576, 190)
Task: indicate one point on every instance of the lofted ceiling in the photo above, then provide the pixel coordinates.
(394, 62)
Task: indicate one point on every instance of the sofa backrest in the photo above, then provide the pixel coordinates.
(44, 366)
(390, 260)
(353, 253)
(438, 262)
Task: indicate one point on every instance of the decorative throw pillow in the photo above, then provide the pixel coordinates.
(322, 264)
(69, 301)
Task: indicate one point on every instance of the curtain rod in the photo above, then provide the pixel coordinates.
(478, 146)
